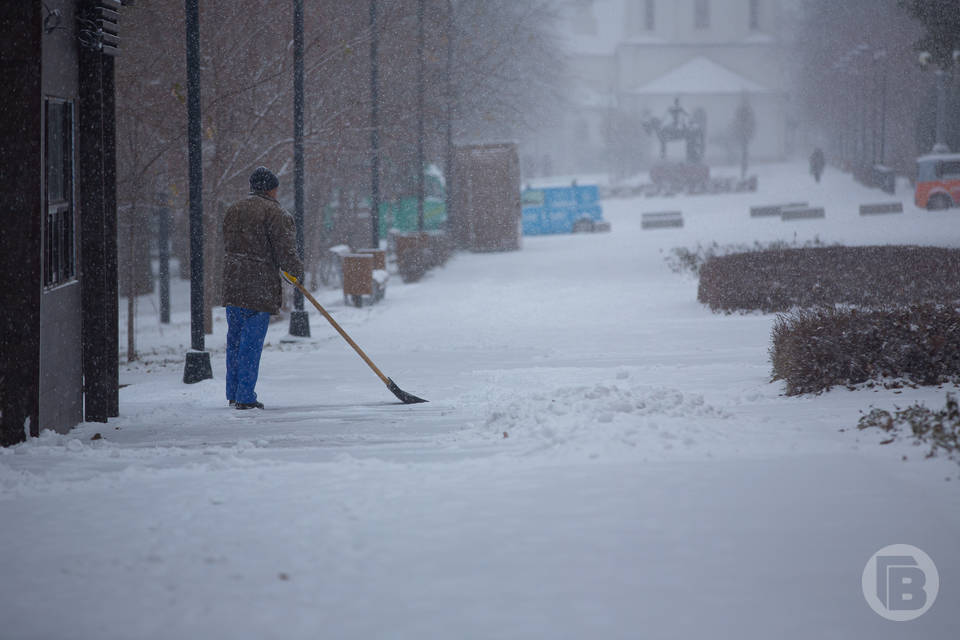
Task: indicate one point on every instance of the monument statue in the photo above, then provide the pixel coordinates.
(691, 174)
(681, 127)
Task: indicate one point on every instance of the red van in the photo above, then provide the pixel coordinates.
(938, 181)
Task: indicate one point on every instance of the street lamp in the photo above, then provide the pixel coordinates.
(374, 128)
(421, 91)
(197, 362)
(448, 151)
(299, 320)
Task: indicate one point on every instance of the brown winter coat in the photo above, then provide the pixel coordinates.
(259, 240)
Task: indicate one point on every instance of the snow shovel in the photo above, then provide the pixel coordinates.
(403, 396)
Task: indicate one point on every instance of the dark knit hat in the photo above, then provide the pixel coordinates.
(262, 179)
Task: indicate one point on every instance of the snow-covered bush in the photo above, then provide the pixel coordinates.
(781, 279)
(940, 429)
(815, 349)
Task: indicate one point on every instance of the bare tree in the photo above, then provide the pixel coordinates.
(625, 142)
(859, 80)
(504, 69)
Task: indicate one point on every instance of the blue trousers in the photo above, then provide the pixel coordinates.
(246, 330)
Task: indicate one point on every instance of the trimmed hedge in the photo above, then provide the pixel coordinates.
(683, 259)
(814, 349)
(777, 280)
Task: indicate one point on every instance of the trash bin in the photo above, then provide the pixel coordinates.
(357, 277)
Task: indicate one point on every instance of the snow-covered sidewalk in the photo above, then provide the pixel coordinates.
(601, 457)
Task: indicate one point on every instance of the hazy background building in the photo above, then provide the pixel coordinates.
(630, 59)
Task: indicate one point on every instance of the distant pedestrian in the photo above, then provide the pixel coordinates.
(817, 163)
(259, 239)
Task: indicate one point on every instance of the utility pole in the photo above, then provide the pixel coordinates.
(197, 366)
(299, 319)
(374, 129)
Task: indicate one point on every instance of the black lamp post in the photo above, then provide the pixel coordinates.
(374, 129)
(299, 319)
(449, 152)
(197, 366)
(421, 90)
(163, 215)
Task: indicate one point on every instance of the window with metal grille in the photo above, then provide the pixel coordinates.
(701, 14)
(59, 237)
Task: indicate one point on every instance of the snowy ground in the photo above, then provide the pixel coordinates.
(601, 457)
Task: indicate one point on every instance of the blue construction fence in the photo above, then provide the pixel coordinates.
(558, 209)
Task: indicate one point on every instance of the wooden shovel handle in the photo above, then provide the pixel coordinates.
(306, 294)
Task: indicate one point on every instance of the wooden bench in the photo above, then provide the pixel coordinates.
(661, 219)
(883, 207)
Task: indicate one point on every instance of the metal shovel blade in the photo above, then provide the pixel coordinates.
(405, 398)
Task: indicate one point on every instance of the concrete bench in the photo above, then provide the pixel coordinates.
(661, 219)
(771, 210)
(802, 213)
(879, 208)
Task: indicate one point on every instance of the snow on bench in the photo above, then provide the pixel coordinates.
(802, 213)
(771, 210)
(661, 219)
(882, 207)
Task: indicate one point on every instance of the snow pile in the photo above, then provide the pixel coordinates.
(619, 418)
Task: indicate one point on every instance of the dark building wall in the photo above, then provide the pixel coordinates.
(96, 181)
(20, 249)
(61, 367)
(58, 334)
